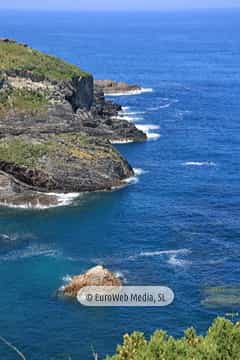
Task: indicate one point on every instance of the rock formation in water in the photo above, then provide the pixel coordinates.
(56, 126)
(97, 276)
(114, 87)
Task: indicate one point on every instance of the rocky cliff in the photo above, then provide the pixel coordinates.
(56, 126)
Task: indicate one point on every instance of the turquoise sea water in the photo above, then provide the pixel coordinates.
(178, 225)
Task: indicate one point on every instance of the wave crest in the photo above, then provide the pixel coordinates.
(147, 129)
(132, 92)
(174, 257)
(198, 163)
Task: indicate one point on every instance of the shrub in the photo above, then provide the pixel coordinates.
(222, 342)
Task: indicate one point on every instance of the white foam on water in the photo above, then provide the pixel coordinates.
(30, 251)
(134, 179)
(165, 106)
(121, 276)
(67, 278)
(164, 252)
(132, 92)
(16, 236)
(139, 171)
(197, 163)
(134, 112)
(173, 260)
(153, 136)
(173, 256)
(121, 141)
(131, 180)
(147, 129)
(62, 200)
(126, 111)
(128, 118)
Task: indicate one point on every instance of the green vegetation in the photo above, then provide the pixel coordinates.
(18, 57)
(31, 153)
(22, 100)
(17, 150)
(222, 342)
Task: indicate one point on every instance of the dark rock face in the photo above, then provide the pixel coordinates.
(68, 112)
(64, 163)
(79, 92)
(15, 194)
(62, 144)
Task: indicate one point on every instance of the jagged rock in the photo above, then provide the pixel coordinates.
(63, 163)
(56, 127)
(110, 86)
(96, 276)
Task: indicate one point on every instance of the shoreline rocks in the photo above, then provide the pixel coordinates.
(96, 276)
(63, 163)
(56, 127)
(114, 87)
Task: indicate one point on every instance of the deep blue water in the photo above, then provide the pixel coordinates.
(191, 61)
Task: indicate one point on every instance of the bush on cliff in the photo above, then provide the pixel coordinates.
(222, 342)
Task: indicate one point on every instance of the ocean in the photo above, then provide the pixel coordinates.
(177, 224)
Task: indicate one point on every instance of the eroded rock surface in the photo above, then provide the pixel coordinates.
(56, 127)
(64, 163)
(97, 276)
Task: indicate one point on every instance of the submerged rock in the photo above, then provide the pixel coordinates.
(221, 296)
(96, 276)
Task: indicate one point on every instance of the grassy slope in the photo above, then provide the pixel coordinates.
(15, 56)
(21, 152)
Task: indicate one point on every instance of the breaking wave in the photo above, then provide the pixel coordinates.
(121, 141)
(147, 129)
(53, 200)
(197, 163)
(134, 179)
(128, 117)
(173, 257)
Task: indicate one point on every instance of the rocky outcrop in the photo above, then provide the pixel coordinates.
(63, 109)
(79, 92)
(56, 127)
(114, 87)
(63, 163)
(13, 193)
(97, 276)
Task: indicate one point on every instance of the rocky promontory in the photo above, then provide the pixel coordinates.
(114, 87)
(56, 127)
